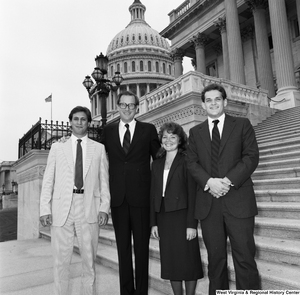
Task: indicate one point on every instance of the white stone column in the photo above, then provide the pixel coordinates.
(288, 94)
(199, 42)
(265, 72)
(138, 91)
(177, 56)
(221, 24)
(236, 58)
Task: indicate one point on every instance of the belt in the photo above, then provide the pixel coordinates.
(78, 191)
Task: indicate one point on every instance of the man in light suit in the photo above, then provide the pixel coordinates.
(129, 178)
(75, 199)
(225, 201)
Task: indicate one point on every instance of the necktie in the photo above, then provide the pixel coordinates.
(215, 145)
(79, 166)
(126, 140)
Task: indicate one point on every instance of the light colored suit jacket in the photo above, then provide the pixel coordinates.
(58, 182)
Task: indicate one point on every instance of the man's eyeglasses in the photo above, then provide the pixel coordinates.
(124, 105)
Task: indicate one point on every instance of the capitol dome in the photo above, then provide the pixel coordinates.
(141, 55)
(138, 33)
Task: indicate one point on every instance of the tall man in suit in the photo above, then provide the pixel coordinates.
(75, 198)
(221, 160)
(130, 144)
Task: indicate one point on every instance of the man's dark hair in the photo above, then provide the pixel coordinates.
(81, 109)
(137, 102)
(213, 86)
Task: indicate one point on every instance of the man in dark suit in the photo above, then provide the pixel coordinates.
(221, 160)
(130, 144)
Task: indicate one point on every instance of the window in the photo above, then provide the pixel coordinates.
(157, 67)
(141, 66)
(149, 66)
(133, 66)
(211, 69)
(118, 68)
(170, 70)
(164, 68)
(111, 70)
(125, 67)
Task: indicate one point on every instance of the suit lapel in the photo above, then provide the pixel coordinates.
(205, 136)
(229, 125)
(138, 134)
(67, 148)
(173, 167)
(90, 148)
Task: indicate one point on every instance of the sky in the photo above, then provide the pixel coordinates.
(48, 47)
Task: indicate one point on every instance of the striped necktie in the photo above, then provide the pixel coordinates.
(126, 140)
(215, 145)
(79, 166)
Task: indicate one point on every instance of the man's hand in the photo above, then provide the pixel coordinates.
(218, 186)
(191, 233)
(154, 232)
(46, 220)
(102, 218)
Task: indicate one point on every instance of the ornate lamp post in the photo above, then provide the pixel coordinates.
(103, 85)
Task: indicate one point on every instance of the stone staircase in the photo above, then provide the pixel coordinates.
(277, 230)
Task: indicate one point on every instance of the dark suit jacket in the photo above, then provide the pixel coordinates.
(238, 158)
(129, 174)
(180, 190)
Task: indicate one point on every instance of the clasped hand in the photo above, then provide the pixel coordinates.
(218, 187)
(191, 233)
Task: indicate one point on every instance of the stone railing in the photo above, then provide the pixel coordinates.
(195, 82)
(182, 8)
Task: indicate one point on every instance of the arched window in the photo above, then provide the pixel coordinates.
(133, 37)
(157, 67)
(133, 66)
(118, 68)
(164, 68)
(111, 70)
(149, 66)
(141, 66)
(125, 67)
(170, 70)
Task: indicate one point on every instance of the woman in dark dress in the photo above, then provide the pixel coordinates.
(172, 212)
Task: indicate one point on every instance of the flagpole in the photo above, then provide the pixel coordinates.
(51, 106)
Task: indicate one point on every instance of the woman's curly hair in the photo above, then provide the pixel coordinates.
(173, 128)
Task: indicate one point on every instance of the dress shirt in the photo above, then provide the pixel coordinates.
(122, 130)
(74, 149)
(220, 125)
(165, 178)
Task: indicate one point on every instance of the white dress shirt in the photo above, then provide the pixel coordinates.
(122, 130)
(220, 125)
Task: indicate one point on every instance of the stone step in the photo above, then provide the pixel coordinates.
(279, 150)
(275, 250)
(294, 162)
(279, 156)
(290, 210)
(285, 115)
(273, 275)
(277, 133)
(271, 137)
(276, 173)
(276, 124)
(279, 143)
(277, 183)
(277, 195)
(277, 228)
